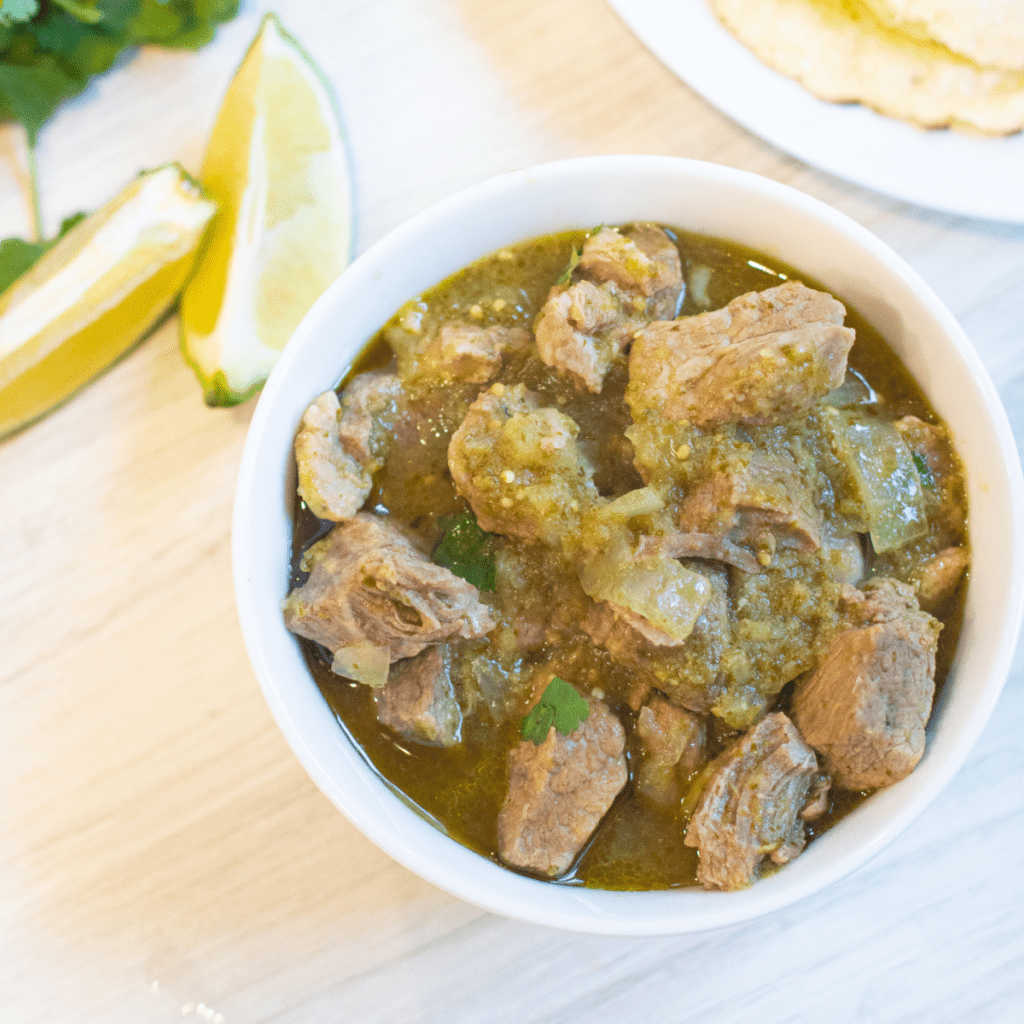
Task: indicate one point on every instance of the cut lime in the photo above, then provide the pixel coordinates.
(97, 292)
(277, 166)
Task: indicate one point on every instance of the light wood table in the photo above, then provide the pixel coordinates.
(162, 854)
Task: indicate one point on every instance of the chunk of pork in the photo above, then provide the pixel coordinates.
(559, 791)
(643, 261)
(751, 805)
(764, 358)
(674, 742)
(469, 352)
(763, 504)
(341, 444)
(627, 280)
(937, 581)
(864, 709)
(418, 701)
(519, 467)
(368, 585)
(583, 327)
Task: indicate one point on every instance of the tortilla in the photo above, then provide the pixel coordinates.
(839, 51)
(989, 32)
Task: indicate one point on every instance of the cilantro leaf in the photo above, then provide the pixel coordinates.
(155, 21)
(924, 471)
(12, 11)
(17, 256)
(59, 32)
(559, 706)
(31, 93)
(466, 550)
(574, 260)
(85, 12)
(69, 222)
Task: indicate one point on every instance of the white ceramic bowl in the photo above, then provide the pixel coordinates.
(697, 197)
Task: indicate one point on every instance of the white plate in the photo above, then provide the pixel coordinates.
(945, 170)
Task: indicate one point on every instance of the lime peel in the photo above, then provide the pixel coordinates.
(97, 292)
(277, 165)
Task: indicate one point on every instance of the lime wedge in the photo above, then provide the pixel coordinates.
(97, 292)
(276, 165)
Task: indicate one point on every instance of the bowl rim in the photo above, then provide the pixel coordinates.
(404, 834)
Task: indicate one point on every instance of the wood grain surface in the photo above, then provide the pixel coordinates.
(162, 854)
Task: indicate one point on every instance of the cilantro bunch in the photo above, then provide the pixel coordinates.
(50, 49)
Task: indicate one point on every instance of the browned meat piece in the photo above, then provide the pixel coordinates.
(763, 504)
(419, 701)
(559, 790)
(673, 745)
(700, 545)
(627, 281)
(368, 411)
(368, 584)
(937, 581)
(644, 260)
(583, 327)
(340, 445)
(518, 465)
(881, 600)
(764, 358)
(751, 805)
(470, 353)
(865, 707)
(438, 354)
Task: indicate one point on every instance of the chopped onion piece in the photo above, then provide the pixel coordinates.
(883, 474)
(659, 589)
(644, 501)
(365, 663)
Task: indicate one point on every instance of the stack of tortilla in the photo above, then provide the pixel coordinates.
(937, 63)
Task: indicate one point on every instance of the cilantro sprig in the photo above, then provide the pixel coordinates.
(574, 261)
(51, 49)
(559, 706)
(466, 550)
(574, 258)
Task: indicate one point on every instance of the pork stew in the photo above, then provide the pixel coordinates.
(630, 559)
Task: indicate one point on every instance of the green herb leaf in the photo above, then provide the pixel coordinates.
(31, 93)
(156, 22)
(59, 32)
(68, 223)
(17, 256)
(561, 706)
(924, 471)
(13, 11)
(84, 12)
(574, 260)
(466, 550)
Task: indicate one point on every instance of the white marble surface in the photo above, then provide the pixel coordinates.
(162, 855)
